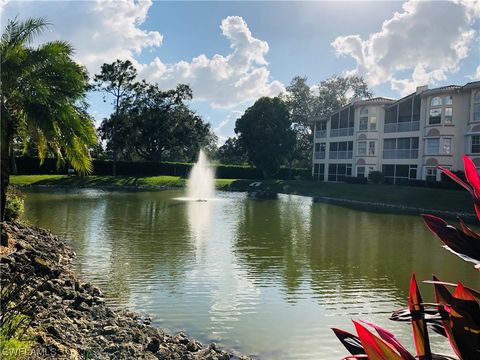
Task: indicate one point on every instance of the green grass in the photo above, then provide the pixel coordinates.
(426, 198)
(109, 181)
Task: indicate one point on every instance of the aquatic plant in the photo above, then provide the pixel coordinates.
(455, 316)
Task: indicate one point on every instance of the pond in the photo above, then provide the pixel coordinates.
(268, 278)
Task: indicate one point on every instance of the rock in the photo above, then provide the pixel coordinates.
(83, 306)
(107, 330)
(153, 345)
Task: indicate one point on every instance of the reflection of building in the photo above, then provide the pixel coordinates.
(405, 139)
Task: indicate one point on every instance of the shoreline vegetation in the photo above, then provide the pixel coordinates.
(69, 319)
(366, 197)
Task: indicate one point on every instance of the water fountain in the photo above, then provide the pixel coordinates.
(201, 182)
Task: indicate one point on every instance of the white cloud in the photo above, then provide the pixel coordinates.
(427, 38)
(475, 76)
(225, 128)
(100, 31)
(223, 80)
(103, 31)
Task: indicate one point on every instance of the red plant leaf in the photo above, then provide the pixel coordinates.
(456, 241)
(375, 348)
(350, 341)
(392, 340)
(419, 325)
(455, 178)
(463, 293)
(471, 174)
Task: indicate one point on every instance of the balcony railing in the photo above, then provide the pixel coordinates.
(341, 132)
(321, 134)
(342, 154)
(401, 127)
(400, 154)
(319, 155)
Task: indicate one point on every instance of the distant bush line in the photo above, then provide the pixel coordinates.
(31, 166)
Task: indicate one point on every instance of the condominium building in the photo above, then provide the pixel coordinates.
(404, 139)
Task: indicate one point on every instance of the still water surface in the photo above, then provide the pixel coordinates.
(268, 278)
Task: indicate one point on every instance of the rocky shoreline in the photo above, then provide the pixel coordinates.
(70, 317)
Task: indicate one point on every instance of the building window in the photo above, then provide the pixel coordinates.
(398, 174)
(362, 148)
(371, 148)
(436, 101)
(447, 146)
(431, 174)
(320, 149)
(476, 106)
(400, 148)
(432, 146)
(448, 116)
(373, 123)
(363, 124)
(449, 100)
(475, 148)
(319, 171)
(338, 172)
(361, 171)
(341, 150)
(435, 117)
(438, 146)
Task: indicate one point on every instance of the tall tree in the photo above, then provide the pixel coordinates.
(300, 102)
(336, 92)
(117, 80)
(42, 99)
(156, 125)
(231, 152)
(265, 132)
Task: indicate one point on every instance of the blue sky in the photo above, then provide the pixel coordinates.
(234, 52)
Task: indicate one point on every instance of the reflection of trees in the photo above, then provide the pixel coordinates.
(271, 240)
(120, 237)
(377, 249)
(340, 252)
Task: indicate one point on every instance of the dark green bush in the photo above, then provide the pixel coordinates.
(375, 177)
(15, 204)
(31, 166)
(356, 180)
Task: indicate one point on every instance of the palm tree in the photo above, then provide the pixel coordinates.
(42, 99)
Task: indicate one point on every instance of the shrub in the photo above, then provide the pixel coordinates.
(375, 177)
(356, 180)
(29, 166)
(15, 205)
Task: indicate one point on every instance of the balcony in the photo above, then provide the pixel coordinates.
(400, 154)
(319, 155)
(401, 127)
(341, 132)
(320, 134)
(342, 154)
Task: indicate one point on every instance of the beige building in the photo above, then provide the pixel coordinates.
(405, 139)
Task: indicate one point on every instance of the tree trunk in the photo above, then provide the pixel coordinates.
(5, 163)
(13, 163)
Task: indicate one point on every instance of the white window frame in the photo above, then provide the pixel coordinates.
(428, 150)
(365, 149)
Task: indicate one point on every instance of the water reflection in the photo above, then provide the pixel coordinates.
(200, 221)
(287, 268)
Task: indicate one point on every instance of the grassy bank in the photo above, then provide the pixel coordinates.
(450, 200)
(420, 197)
(104, 181)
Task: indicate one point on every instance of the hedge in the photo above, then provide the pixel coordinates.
(31, 166)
